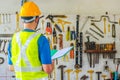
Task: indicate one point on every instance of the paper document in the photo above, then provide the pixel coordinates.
(61, 52)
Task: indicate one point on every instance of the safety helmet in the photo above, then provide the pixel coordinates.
(29, 9)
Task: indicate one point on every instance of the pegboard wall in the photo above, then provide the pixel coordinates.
(11, 23)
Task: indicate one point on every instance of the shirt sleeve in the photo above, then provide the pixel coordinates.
(9, 54)
(44, 50)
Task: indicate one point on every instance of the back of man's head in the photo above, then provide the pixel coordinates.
(29, 11)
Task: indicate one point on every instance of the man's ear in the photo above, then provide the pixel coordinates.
(37, 19)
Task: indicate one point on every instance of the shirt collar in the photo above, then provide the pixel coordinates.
(28, 30)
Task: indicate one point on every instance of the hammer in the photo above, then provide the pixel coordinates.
(68, 73)
(91, 72)
(98, 73)
(77, 72)
(62, 68)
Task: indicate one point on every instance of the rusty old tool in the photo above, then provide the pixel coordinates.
(98, 73)
(63, 22)
(97, 27)
(68, 73)
(84, 77)
(77, 72)
(62, 71)
(90, 72)
(50, 17)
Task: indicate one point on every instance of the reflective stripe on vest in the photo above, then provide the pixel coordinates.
(35, 79)
(22, 54)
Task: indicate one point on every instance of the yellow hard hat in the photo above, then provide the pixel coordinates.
(29, 9)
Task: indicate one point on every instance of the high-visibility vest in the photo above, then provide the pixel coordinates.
(25, 56)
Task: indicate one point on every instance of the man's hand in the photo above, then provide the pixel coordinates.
(11, 67)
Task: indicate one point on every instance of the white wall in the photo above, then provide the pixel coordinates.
(67, 6)
(71, 8)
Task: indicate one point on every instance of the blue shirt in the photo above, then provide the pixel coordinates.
(44, 50)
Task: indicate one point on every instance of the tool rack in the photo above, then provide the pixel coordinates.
(100, 51)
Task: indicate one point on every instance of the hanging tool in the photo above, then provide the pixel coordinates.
(87, 32)
(62, 71)
(77, 71)
(0, 44)
(60, 41)
(109, 34)
(17, 22)
(87, 18)
(72, 52)
(3, 18)
(50, 17)
(54, 36)
(81, 48)
(68, 33)
(97, 33)
(119, 21)
(97, 27)
(77, 43)
(3, 50)
(98, 73)
(113, 31)
(73, 34)
(63, 22)
(84, 77)
(108, 27)
(105, 16)
(68, 73)
(55, 50)
(89, 55)
(104, 25)
(90, 72)
(48, 29)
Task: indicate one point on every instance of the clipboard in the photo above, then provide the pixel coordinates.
(61, 52)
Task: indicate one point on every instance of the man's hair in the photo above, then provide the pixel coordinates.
(28, 19)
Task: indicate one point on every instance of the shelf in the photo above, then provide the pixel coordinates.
(100, 51)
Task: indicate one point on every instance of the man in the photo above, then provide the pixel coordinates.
(29, 52)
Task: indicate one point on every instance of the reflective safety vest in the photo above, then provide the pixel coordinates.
(25, 56)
